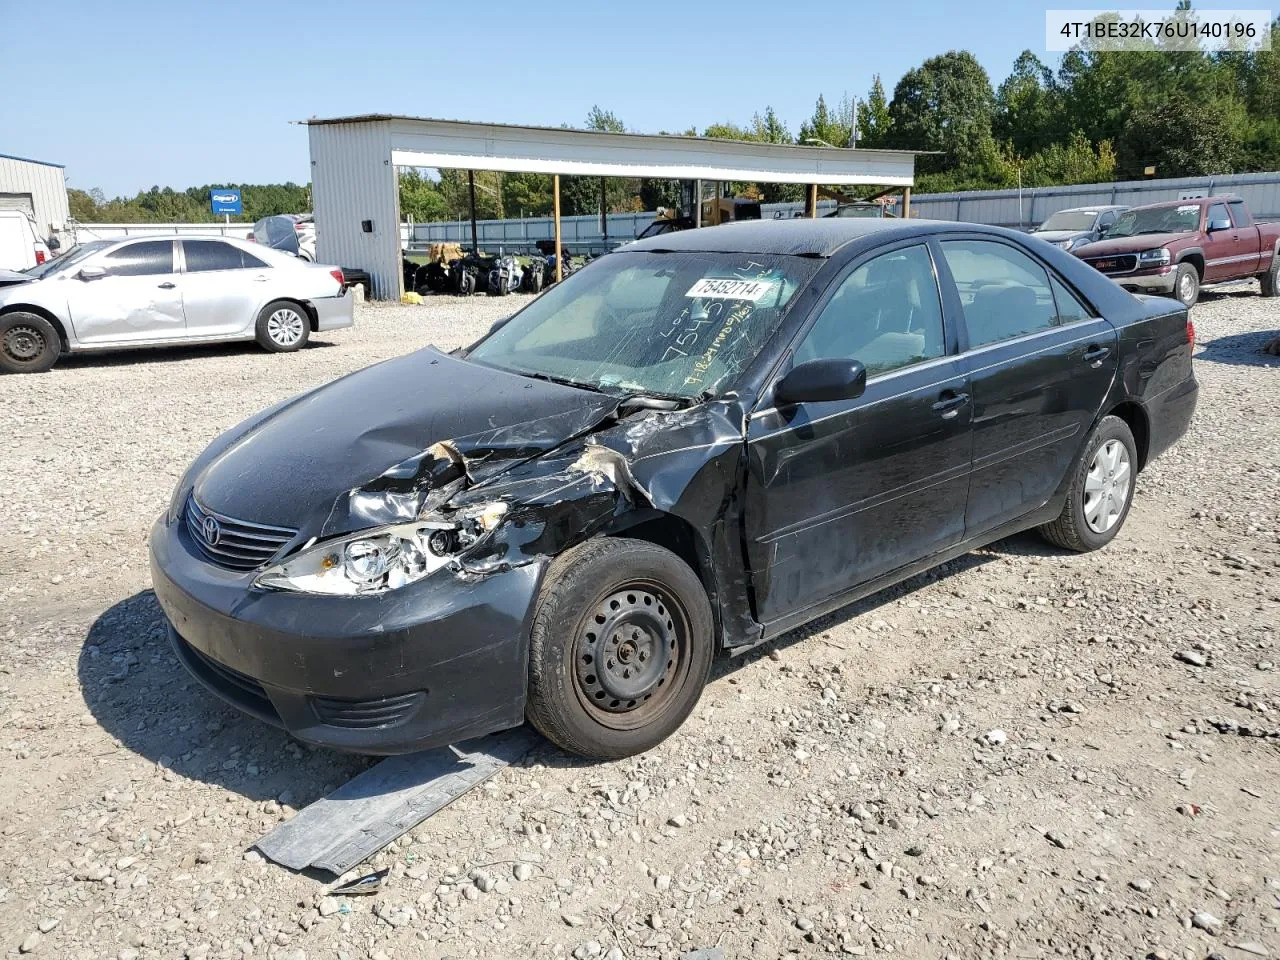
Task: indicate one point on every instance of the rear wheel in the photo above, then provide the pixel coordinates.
(620, 648)
(1101, 490)
(1271, 279)
(283, 327)
(28, 343)
(1186, 284)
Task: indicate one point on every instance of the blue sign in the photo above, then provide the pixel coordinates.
(225, 201)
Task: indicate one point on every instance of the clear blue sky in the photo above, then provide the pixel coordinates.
(129, 94)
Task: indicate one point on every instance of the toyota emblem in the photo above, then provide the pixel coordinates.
(212, 532)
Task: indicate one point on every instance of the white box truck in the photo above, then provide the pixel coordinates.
(21, 245)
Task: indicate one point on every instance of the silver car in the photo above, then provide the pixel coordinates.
(152, 291)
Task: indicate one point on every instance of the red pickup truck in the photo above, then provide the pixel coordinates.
(1172, 248)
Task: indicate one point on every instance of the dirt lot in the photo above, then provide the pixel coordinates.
(1023, 754)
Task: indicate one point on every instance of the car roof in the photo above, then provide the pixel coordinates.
(800, 237)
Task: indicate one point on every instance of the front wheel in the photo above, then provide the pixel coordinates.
(1101, 490)
(283, 327)
(620, 648)
(1186, 285)
(28, 343)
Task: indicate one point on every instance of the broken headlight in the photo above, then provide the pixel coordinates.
(385, 558)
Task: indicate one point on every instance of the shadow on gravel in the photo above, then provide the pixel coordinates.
(175, 354)
(1240, 349)
(138, 692)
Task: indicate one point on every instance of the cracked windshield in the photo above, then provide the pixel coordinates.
(668, 324)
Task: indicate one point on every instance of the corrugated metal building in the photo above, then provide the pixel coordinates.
(354, 162)
(37, 187)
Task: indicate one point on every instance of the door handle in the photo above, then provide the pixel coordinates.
(167, 285)
(1095, 354)
(949, 404)
(261, 279)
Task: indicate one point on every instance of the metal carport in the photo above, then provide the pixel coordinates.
(355, 160)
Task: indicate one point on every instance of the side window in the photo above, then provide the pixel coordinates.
(1217, 211)
(1005, 293)
(143, 259)
(1240, 215)
(1070, 309)
(205, 255)
(886, 313)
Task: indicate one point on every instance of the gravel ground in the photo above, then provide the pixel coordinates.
(1022, 754)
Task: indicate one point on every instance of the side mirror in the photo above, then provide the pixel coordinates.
(818, 380)
(1215, 225)
(91, 273)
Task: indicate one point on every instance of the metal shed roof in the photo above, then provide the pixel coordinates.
(459, 144)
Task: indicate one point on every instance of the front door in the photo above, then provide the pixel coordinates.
(841, 492)
(1224, 249)
(222, 288)
(138, 300)
(1039, 361)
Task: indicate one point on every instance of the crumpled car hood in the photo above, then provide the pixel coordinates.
(367, 449)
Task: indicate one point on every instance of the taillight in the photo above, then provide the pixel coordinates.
(1191, 332)
(39, 257)
(337, 275)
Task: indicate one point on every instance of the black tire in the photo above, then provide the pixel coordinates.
(1186, 284)
(1271, 279)
(28, 343)
(1072, 529)
(617, 600)
(535, 281)
(283, 327)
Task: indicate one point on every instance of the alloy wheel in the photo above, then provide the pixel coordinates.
(285, 327)
(1107, 486)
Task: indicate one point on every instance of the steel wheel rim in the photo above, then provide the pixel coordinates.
(1184, 287)
(631, 654)
(1107, 486)
(284, 327)
(23, 343)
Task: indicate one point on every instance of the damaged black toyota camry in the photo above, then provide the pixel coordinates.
(691, 446)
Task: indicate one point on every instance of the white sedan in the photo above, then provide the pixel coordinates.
(154, 291)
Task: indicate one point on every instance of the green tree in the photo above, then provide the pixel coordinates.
(833, 128)
(874, 120)
(420, 197)
(945, 104)
(526, 194)
(1181, 137)
(1024, 105)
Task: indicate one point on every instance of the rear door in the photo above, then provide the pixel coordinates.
(223, 287)
(138, 300)
(1040, 362)
(841, 492)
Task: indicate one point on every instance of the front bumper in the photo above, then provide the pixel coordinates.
(333, 313)
(1155, 280)
(429, 664)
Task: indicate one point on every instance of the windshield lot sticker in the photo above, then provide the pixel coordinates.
(1189, 208)
(728, 289)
